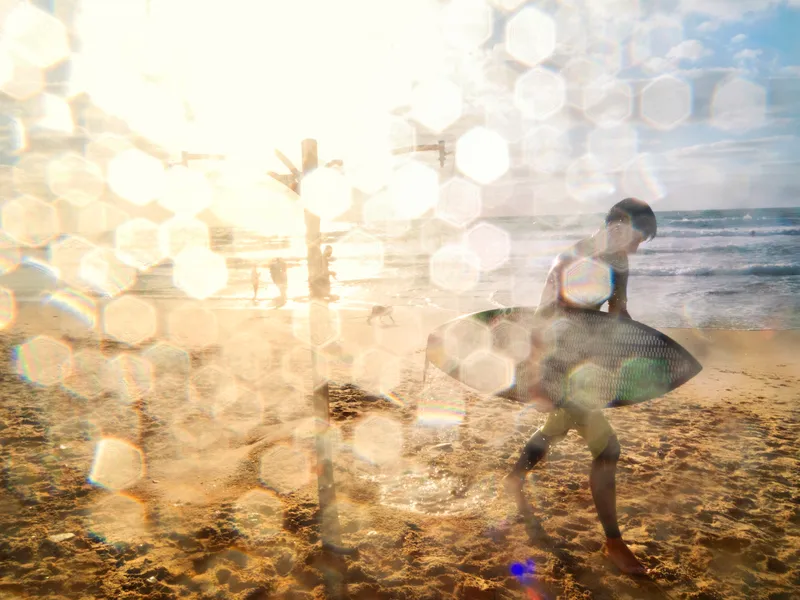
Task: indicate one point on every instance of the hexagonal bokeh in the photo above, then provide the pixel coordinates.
(100, 218)
(9, 254)
(200, 272)
(193, 327)
(487, 372)
(105, 273)
(8, 308)
(540, 93)
(29, 221)
(464, 337)
(507, 5)
(378, 440)
(30, 175)
(377, 370)
(653, 40)
(296, 369)
(284, 469)
(326, 193)
(359, 255)
(131, 377)
(75, 179)
(186, 192)
(606, 52)
(89, 376)
(586, 282)
(441, 409)
(77, 314)
(117, 464)
(137, 243)
(587, 181)
(666, 102)
(482, 154)
(512, 340)
(467, 24)
(316, 324)
(643, 376)
(436, 104)
(117, 518)
(168, 360)
(414, 189)
(181, 232)
(608, 102)
(530, 36)
(43, 360)
(613, 147)
(136, 176)
(258, 515)
(130, 320)
(547, 149)
(67, 255)
(384, 215)
(738, 105)
(215, 389)
(248, 355)
(245, 411)
(580, 73)
(455, 268)
(641, 178)
(459, 202)
(36, 35)
(592, 386)
(23, 79)
(490, 243)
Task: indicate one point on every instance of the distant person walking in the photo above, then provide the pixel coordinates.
(255, 280)
(277, 270)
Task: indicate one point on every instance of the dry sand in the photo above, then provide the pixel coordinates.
(708, 490)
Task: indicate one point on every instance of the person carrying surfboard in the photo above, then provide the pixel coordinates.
(629, 223)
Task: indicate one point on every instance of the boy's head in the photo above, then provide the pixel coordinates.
(629, 223)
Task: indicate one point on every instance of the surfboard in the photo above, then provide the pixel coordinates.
(584, 357)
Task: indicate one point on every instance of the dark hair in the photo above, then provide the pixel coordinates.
(637, 213)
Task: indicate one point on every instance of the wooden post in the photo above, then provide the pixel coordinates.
(330, 529)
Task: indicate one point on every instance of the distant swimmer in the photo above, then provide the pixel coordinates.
(628, 224)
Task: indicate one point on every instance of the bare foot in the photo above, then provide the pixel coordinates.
(512, 485)
(622, 557)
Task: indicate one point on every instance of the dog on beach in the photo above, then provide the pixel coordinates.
(380, 312)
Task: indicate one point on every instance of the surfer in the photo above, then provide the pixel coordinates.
(628, 224)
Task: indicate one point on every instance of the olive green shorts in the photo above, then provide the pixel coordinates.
(591, 425)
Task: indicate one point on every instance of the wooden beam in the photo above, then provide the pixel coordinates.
(330, 529)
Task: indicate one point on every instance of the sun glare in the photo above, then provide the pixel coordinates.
(249, 76)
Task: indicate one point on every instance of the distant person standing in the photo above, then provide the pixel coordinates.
(277, 270)
(255, 280)
(321, 283)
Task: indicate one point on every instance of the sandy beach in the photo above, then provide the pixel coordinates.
(182, 466)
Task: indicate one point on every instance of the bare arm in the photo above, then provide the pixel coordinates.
(618, 302)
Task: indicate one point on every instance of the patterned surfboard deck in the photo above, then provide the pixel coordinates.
(583, 356)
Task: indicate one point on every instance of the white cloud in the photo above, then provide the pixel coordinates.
(691, 50)
(748, 54)
(727, 10)
(709, 26)
(790, 70)
(739, 38)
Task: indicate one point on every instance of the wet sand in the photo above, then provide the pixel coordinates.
(207, 457)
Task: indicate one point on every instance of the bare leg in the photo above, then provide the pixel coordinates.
(533, 452)
(602, 481)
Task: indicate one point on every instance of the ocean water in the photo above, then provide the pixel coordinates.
(736, 269)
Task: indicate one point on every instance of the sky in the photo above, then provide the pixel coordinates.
(350, 73)
(708, 161)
